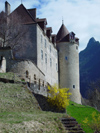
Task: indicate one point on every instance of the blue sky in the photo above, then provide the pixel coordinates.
(80, 16)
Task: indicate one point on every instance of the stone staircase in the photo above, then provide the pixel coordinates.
(72, 125)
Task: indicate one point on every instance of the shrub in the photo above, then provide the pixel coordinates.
(58, 97)
(95, 123)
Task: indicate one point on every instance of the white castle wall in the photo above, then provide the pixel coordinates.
(51, 72)
(69, 69)
(33, 52)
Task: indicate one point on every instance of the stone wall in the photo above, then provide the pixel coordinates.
(29, 50)
(38, 88)
(69, 69)
(28, 70)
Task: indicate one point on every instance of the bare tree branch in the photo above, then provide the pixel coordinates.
(13, 32)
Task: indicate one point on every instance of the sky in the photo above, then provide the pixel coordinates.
(80, 16)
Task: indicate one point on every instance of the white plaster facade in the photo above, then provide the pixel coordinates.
(47, 57)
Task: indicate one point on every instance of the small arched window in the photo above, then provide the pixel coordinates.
(27, 74)
(34, 76)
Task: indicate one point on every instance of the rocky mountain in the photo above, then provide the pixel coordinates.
(89, 65)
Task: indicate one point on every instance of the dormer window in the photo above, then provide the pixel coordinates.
(72, 35)
(48, 32)
(42, 23)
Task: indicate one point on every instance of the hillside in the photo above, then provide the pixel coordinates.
(89, 65)
(20, 112)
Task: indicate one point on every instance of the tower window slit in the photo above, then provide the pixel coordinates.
(73, 86)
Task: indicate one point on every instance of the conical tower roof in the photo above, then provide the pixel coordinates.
(62, 33)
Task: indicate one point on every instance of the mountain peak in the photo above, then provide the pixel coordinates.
(91, 41)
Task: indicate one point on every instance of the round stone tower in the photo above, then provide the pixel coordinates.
(68, 62)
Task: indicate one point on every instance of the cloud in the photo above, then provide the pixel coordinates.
(80, 16)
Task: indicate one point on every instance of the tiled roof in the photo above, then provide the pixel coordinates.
(41, 20)
(32, 12)
(49, 28)
(62, 33)
(76, 38)
(24, 14)
(65, 39)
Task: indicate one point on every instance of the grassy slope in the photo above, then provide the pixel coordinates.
(20, 112)
(80, 112)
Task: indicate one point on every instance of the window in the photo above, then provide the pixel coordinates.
(45, 58)
(66, 58)
(27, 74)
(45, 43)
(50, 62)
(41, 54)
(73, 86)
(77, 47)
(41, 39)
(50, 48)
(34, 76)
(56, 67)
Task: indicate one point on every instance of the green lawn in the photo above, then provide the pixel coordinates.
(80, 112)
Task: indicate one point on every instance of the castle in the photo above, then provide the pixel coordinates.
(50, 58)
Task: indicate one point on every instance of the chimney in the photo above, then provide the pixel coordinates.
(7, 8)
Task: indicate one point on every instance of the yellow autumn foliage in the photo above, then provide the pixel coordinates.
(58, 97)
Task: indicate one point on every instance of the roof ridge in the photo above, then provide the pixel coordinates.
(28, 12)
(25, 10)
